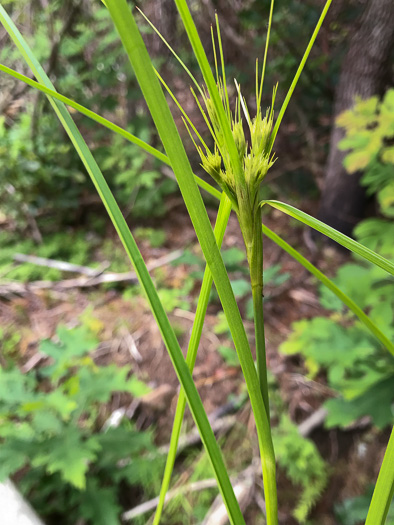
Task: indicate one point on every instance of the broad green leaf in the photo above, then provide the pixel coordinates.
(15, 388)
(99, 384)
(46, 422)
(357, 160)
(99, 505)
(331, 286)
(376, 402)
(386, 199)
(340, 238)
(72, 343)
(363, 113)
(122, 442)
(388, 154)
(69, 455)
(13, 456)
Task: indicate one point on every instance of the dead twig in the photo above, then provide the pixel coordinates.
(8, 289)
(152, 504)
(60, 265)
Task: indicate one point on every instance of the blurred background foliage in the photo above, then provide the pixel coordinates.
(49, 208)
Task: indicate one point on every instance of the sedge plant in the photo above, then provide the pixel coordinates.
(238, 168)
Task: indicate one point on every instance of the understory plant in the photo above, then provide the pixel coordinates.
(357, 365)
(238, 165)
(51, 432)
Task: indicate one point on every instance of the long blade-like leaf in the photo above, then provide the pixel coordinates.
(206, 186)
(195, 336)
(131, 248)
(299, 71)
(384, 489)
(367, 321)
(104, 122)
(212, 89)
(155, 99)
(335, 235)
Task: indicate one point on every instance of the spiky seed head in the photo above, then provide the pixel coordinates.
(213, 117)
(256, 167)
(260, 132)
(239, 139)
(211, 162)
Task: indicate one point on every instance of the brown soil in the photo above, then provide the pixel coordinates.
(118, 319)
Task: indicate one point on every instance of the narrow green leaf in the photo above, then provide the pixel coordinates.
(195, 336)
(87, 112)
(104, 122)
(299, 71)
(331, 286)
(131, 248)
(333, 234)
(384, 489)
(140, 61)
(259, 91)
(212, 89)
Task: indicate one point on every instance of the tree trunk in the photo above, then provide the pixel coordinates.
(363, 73)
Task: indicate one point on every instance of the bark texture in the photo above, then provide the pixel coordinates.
(363, 73)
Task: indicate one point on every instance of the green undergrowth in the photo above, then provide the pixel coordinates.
(56, 437)
(353, 511)
(298, 459)
(358, 368)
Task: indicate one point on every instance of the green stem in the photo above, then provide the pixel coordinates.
(249, 217)
(220, 227)
(255, 259)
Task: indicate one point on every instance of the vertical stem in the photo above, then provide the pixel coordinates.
(256, 278)
(254, 249)
(249, 216)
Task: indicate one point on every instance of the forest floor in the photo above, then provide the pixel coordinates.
(129, 336)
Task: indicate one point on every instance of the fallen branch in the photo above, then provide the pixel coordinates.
(60, 265)
(15, 288)
(221, 425)
(243, 484)
(152, 504)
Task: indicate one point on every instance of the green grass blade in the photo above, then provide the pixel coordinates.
(87, 112)
(178, 58)
(299, 71)
(384, 489)
(212, 89)
(331, 286)
(179, 106)
(260, 91)
(154, 96)
(106, 123)
(195, 337)
(333, 234)
(131, 248)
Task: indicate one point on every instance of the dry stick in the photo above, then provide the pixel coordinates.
(13, 288)
(152, 504)
(220, 425)
(217, 514)
(315, 420)
(59, 265)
